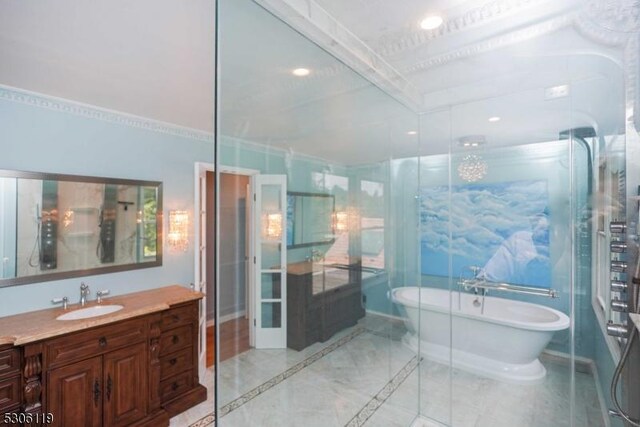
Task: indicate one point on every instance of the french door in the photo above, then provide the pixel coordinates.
(270, 261)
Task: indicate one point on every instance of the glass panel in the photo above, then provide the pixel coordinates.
(271, 255)
(271, 198)
(271, 315)
(271, 286)
(351, 150)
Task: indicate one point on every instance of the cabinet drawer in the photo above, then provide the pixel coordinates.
(176, 339)
(95, 341)
(13, 411)
(175, 386)
(183, 315)
(9, 393)
(176, 363)
(9, 362)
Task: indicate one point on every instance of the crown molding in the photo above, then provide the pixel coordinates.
(34, 99)
(319, 26)
(609, 22)
(507, 39)
(484, 14)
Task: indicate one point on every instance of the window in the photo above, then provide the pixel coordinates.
(148, 223)
(372, 224)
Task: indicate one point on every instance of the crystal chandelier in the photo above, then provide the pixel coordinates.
(472, 168)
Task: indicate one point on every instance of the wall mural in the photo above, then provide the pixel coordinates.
(501, 227)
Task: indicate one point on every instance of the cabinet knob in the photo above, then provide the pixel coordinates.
(175, 318)
(102, 341)
(174, 386)
(175, 339)
(173, 361)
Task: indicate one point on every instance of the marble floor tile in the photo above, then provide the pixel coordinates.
(335, 388)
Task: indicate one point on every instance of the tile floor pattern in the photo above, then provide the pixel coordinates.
(369, 378)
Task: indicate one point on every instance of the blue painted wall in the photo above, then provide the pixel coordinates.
(39, 139)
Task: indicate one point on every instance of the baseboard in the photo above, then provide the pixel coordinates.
(227, 317)
(582, 364)
(385, 315)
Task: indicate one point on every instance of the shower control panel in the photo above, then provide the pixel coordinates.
(618, 247)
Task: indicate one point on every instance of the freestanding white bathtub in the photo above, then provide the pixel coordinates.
(503, 342)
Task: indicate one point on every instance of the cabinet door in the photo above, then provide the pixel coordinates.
(125, 385)
(74, 394)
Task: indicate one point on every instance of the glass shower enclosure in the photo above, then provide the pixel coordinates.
(437, 260)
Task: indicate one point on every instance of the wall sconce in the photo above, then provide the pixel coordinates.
(272, 225)
(341, 221)
(178, 236)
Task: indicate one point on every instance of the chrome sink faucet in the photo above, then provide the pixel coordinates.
(84, 293)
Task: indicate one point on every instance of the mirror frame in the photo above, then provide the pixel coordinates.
(333, 210)
(47, 277)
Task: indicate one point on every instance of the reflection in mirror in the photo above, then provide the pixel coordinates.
(58, 226)
(310, 218)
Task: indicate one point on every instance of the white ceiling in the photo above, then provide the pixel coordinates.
(154, 58)
(485, 61)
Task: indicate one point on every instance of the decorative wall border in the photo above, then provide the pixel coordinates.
(80, 109)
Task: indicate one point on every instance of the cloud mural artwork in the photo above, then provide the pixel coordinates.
(501, 227)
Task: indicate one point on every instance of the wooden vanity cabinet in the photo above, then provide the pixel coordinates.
(74, 394)
(317, 316)
(136, 372)
(179, 387)
(110, 387)
(10, 381)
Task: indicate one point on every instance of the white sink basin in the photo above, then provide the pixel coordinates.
(89, 312)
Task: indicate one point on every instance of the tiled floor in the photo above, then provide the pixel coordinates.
(365, 376)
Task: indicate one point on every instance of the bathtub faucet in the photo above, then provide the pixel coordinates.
(477, 283)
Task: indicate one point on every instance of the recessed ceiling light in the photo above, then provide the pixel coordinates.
(412, 132)
(431, 22)
(301, 72)
(494, 119)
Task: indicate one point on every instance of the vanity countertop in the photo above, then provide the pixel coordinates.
(636, 319)
(34, 326)
(302, 268)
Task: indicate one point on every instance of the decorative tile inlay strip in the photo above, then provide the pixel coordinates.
(252, 394)
(376, 402)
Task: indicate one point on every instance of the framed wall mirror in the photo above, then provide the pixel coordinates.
(54, 227)
(309, 219)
